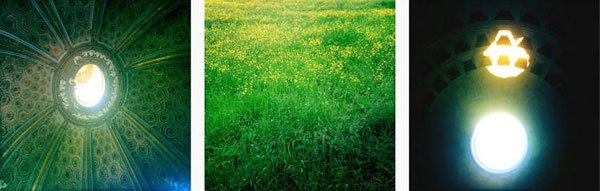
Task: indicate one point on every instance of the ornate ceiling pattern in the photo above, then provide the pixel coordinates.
(137, 137)
(461, 51)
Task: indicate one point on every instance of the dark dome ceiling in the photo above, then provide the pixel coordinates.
(137, 136)
(555, 97)
(457, 48)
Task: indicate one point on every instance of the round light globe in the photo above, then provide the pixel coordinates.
(499, 143)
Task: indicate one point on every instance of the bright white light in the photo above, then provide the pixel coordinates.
(504, 71)
(510, 51)
(89, 85)
(499, 143)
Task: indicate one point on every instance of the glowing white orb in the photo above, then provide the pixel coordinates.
(89, 85)
(499, 143)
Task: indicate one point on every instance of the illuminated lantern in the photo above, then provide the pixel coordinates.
(507, 58)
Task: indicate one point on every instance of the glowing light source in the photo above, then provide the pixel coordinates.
(89, 85)
(508, 59)
(499, 143)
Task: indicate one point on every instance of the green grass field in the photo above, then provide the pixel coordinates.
(299, 95)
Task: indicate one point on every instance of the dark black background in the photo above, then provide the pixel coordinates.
(576, 23)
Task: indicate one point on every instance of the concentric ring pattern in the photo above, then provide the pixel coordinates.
(140, 141)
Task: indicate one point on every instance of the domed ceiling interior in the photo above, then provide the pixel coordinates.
(137, 135)
(451, 88)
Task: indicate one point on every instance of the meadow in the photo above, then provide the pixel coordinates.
(299, 95)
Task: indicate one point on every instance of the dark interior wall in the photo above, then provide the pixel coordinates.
(141, 141)
(577, 22)
(570, 68)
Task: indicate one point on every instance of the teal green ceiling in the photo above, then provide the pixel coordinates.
(138, 137)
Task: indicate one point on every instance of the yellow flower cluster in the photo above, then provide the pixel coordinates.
(258, 44)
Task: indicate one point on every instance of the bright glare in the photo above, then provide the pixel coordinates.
(512, 51)
(89, 85)
(499, 143)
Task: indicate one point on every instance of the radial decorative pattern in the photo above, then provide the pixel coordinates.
(136, 137)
